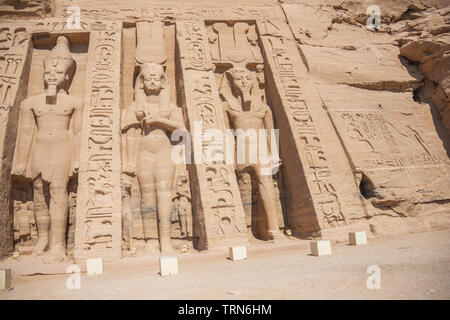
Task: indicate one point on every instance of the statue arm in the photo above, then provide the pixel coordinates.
(131, 129)
(268, 123)
(130, 149)
(24, 139)
(175, 122)
(77, 118)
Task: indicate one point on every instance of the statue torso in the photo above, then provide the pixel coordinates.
(155, 137)
(251, 119)
(52, 153)
(52, 120)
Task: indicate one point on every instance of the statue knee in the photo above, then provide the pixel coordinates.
(37, 185)
(58, 188)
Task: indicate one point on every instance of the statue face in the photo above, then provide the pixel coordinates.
(242, 81)
(55, 74)
(152, 81)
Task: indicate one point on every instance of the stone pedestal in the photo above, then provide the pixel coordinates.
(5, 279)
(94, 266)
(320, 248)
(168, 266)
(237, 253)
(357, 238)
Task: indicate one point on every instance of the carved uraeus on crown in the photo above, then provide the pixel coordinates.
(321, 207)
(15, 57)
(98, 218)
(219, 212)
(170, 13)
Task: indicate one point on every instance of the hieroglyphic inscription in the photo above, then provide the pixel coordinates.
(219, 194)
(283, 61)
(14, 54)
(54, 25)
(98, 222)
(14, 42)
(370, 133)
(186, 12)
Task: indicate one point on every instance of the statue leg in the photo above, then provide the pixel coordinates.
(267, 195)
(182, 216)
(164, 179)
(59, 209)
(148, 206)
(42, 217)
(245, 189)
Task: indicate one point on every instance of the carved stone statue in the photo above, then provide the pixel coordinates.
(149, 122)
(45, 151)
(182, 204)
(246, 110)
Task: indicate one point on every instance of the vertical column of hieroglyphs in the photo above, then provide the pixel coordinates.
(14, 66)
(218, 199)
(316, 205)
(98, 221)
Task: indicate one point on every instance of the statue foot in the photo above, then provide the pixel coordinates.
(57, 255)
(151, 248)
(41, 246)
(167, 250)
(276, 236)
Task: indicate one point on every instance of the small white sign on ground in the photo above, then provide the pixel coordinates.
(5, 279)
(320, 248)
(94, 266)
(357, 238)
(237, 253)
(168, 266)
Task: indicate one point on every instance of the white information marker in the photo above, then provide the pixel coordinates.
(168, 266)
(94, 266)
(321, 248)
(5, 279)
(237, 253)
(357, 238)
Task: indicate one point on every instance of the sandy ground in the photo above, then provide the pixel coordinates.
(414, 266)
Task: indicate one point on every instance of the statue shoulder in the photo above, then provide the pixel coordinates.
(131, 107)
(226, 105)
(78, 102)
(266, 107)
(129, 117)
(173, 106)
(174, 109)
(29, 102)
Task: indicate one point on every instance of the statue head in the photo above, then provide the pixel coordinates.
(241, 82)
(182, 179)
(58, 67)
(151, 79)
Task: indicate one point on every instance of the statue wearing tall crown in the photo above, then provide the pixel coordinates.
(148, 124)
(48, 149)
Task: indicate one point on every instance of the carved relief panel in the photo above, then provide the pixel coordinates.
(237, 56)
(99, 204)
(15, 52)
(308, 214)
(219, 218)
(157, 200)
